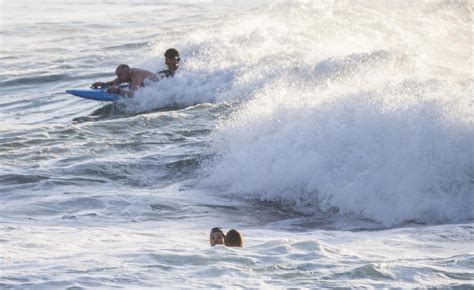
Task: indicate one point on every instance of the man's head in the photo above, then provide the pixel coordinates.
(234, 239)
(172, 58)
(123, 73)
(216, 237)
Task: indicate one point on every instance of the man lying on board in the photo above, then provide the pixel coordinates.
(136, 77)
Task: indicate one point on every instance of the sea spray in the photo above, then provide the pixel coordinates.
(384, 133)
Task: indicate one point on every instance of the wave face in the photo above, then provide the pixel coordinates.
(369, 116)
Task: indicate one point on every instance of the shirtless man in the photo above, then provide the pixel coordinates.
(133, 76)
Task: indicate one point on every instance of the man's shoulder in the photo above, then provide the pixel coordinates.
(166, 72)
(140, 71)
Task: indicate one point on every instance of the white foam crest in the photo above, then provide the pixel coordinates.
(180, 91)
(385, 135)
(228, 59)
(234, 58)
(369, 153)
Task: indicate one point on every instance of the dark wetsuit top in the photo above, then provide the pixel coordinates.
(166, 73)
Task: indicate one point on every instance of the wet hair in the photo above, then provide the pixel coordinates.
(173, 54)
(121, 67)
(233, 239)
(217, 230)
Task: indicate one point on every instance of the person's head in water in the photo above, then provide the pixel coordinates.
(172, 58)
(233, 239)
(216, 237)
(123, 73)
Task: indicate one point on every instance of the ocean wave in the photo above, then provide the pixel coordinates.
(384, 134)
(35, 80)
(354, 153)
(9, 179)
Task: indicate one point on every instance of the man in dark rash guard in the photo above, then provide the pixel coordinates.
(172, 61)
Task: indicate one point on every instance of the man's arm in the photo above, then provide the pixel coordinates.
(134, 85)
(120, 91)
(137, 78)
(114, 82)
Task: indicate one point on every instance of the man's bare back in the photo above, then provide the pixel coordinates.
(138, 77)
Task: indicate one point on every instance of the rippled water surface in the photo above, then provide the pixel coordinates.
(337, 137)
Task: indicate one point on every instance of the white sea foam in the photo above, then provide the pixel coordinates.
(376, 120)
(335, 105)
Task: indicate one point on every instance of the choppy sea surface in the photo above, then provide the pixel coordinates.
(337, 136)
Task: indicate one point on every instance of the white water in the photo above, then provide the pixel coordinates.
(386, 134)
(337, 136)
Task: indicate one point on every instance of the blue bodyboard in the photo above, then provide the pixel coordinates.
(95, 94)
